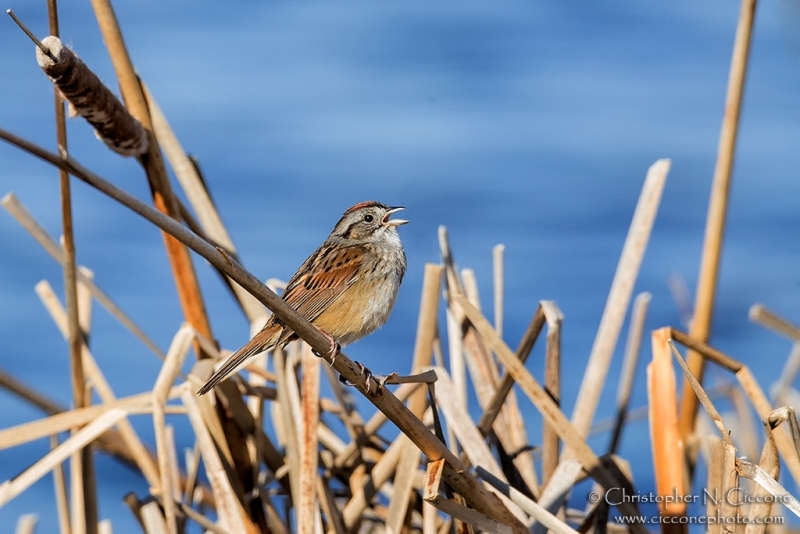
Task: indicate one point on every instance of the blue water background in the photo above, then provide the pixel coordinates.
(527, 124)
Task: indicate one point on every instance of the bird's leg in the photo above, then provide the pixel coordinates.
(335, 348)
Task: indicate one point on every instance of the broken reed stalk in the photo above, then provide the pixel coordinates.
(492, 409)
(770, 463)
(619, 296)
(497, 264)
(507, 423)
(702, 396)
(771, 320)
(753, 391)
(195, 189)
(134, 444)
(552, 385)
(166, 377)
(717, 209)
(664, 436)
(60, 487)
(461, 481)
(423, 353)
(82, 477)
(632, 349)
(163, 198)
(722, 478)
(485, 375)
(110, 442)
(768, 319)
(12, 204)
(547, 407)
(307, 509)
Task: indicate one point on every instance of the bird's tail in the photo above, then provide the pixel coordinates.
(264, 340)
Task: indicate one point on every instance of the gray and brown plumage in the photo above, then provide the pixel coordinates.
(346, 288)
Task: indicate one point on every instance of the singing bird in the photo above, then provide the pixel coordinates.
(346, 288)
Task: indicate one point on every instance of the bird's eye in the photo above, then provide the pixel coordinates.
(368, 218)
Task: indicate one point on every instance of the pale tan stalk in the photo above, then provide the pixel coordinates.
(291, 417)
(544, 517)
(546, 405)
(499, 282)
(200, 199)
(166, 377)
(18, 211)
(163, 198)
(152, 518)
(714, 488)
(423, 353)
(768, 319)
(11, 488)
(470, 438)
(229, 509)
(92, 370)
(552, 384)
(770, 463)
(462, 481)
(433, 476)
(619, 296)
(60, 486)
(83, 495)
(632, 349)
(718, 208)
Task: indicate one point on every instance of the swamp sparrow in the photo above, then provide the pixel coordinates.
(346, 288)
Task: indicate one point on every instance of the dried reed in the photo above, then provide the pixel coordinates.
(308, 463)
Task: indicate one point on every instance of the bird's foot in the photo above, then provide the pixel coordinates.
(367, 374)
(334, 350)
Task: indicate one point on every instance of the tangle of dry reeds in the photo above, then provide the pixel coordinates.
(278, 456)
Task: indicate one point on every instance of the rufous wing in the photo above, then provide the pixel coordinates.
(324, 277)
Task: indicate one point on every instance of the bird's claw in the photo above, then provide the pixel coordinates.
(367, 374)
(334, 349)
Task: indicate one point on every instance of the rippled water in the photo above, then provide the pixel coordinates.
(530, 125)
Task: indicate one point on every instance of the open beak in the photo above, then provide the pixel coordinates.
(393, 222)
